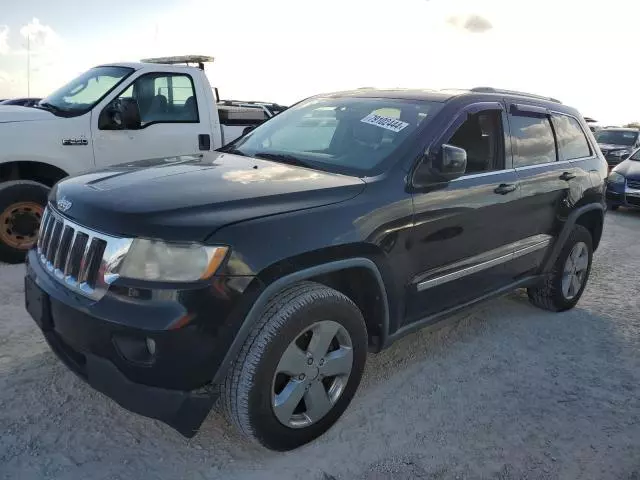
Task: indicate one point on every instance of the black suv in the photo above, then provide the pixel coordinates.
(264, 273)
(617, 144)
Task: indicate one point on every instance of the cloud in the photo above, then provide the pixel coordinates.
(471, 23)
(4, 39)
(41, 37)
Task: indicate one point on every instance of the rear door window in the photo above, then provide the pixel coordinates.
(572, 142)
(532, 140)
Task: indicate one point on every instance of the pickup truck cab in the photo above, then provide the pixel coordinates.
(110, 114)
(325, 234)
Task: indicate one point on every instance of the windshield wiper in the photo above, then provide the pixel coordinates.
(281, 157)
(233, 151)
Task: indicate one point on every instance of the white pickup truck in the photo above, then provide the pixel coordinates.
(110, 114)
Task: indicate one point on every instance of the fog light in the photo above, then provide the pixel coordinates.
(151, 346)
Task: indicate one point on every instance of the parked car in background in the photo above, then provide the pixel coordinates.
(623, 184)
(617, 143)
(21, 102)
(110, 114)
(266, 271)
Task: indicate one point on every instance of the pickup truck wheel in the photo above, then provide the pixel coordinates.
(21, 205)
(299, 368)
(566, 282)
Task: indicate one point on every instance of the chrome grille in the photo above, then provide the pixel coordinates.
(635, 184)
(80, 258)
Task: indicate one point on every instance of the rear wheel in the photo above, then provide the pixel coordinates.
(299, 368)
(564, 285)
(21, 205)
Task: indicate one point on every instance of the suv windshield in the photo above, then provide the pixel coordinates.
(616, 137)
(83, 92)
(350, 135)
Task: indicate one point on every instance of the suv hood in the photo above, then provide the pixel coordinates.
(188, 198)
(629, 168)
(16, 113)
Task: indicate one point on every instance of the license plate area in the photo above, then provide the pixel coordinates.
(37, 304)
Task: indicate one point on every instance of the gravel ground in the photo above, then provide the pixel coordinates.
(505, 391)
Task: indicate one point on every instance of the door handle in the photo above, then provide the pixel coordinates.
(204, 142)
(567, 176)
(505, 188)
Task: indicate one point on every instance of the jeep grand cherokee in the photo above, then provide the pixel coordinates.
(263, 274)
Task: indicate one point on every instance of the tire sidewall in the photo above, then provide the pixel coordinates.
(14, 192)
(267, 428)
(579, 234)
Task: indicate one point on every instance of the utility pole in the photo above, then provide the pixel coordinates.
(28, 65)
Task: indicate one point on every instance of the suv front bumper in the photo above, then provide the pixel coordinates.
(100, 342)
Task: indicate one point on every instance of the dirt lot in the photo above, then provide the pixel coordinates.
(506, 391)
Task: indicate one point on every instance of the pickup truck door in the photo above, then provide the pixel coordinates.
(463, 235)
(174, 121)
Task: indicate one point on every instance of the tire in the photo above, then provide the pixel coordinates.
(550, 295)
(249, 388)
(21, 206)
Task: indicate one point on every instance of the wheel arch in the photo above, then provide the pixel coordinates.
(40, 172)
(591, 217)
(342, 275)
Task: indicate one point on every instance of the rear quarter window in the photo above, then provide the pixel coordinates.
(572, 142)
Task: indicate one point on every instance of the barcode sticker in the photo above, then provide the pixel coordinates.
(388, 123)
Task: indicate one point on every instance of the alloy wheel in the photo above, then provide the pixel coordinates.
(575, 270)
(312, 374)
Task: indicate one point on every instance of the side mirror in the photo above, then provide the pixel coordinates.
(451, 162)
(121, 114)
(248, 129)
(448, 164)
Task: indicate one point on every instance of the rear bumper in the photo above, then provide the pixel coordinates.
(105, 343)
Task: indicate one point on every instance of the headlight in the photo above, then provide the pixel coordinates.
(156, 260)
(615, 177)
(620, 153)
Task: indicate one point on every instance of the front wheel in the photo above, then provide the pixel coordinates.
(21, 205)
(299, 368)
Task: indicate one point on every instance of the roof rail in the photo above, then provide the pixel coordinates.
(513, 92)
(199, 59)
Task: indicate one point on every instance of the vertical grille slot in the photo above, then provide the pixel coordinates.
(54, 241)
(91, 262)
(43, 241)
(60, 260)
(43, 227)
(76, 255)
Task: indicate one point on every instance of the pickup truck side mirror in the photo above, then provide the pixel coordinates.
(447, 164)
(121, 114)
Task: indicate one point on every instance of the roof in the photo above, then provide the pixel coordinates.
(439, 95)
(623, 129)
(400, 93)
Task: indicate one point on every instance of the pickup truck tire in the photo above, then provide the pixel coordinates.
(21, 205)
(280, 392)
(564, 285)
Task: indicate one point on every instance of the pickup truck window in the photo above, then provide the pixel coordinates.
(82, 93)
(350, 135)
(163, 97)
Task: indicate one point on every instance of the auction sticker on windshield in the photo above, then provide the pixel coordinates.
(388, 123)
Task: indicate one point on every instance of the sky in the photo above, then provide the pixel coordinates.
(285, 50)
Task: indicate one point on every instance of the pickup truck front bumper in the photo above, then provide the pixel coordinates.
(103, 343)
